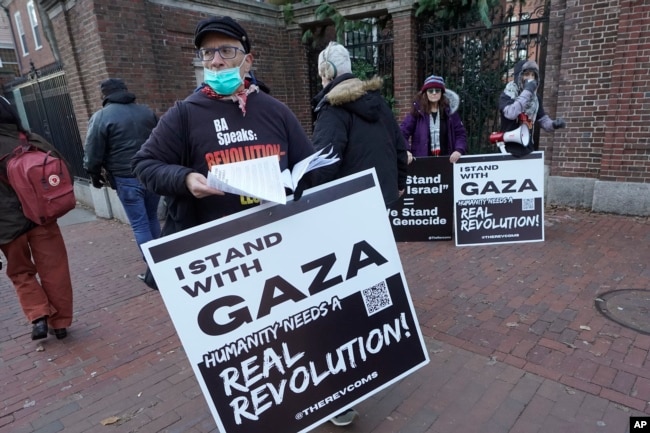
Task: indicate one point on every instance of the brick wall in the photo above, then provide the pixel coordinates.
(596, 68)
(151, 47)
(626, 152)
(603, 91)
(40, 57)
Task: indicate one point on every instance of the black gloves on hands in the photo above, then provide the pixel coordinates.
(304, 183)
(97, 180)
(531, 86)
(308, 180)
(559, 123)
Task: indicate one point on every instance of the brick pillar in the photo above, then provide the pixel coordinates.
(552, 83)
(404, 59)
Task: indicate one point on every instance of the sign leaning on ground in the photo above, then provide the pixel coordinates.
(499, 199)
(291, 313)
(425, 211)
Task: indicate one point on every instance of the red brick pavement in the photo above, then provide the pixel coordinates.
(515, 341)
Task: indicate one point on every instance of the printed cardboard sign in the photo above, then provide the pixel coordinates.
(291, 313)
(426, 210)
(499, 199)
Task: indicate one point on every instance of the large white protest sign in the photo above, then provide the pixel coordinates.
(291, 313)
(499, 199)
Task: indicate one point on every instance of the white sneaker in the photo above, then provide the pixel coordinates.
(344, 418)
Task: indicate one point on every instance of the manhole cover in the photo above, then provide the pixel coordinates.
(629, 308)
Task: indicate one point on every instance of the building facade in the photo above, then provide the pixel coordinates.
(594, 74)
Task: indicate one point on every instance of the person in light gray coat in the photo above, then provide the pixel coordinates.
(519, 104)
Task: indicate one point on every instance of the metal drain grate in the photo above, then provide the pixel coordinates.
(629, 308)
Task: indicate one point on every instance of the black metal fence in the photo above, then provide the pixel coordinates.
(476, 62)
(43, 101)
(370, 43)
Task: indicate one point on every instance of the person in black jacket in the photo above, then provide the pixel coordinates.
(115, 134)
(356, 121)
(354, 118)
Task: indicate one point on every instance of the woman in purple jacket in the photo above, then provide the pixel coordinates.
(433, 126)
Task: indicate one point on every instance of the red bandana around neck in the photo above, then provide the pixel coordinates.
(239, 97)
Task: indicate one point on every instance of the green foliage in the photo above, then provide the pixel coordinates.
(365, 70)
(451, 11)
(287, 13)
(447, 10)
(326, 11)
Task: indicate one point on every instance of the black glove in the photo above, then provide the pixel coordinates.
(559, 123)
(97, 180)
(108, 179)
(307, 181)
(531, 86)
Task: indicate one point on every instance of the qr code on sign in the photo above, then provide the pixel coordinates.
(376, 298)
(528, 204)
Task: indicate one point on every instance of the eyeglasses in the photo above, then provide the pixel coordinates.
(226, 53)
(434, 90)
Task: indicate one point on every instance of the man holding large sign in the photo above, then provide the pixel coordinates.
(286, 317)
(499, 198)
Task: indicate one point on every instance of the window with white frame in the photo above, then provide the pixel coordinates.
(21, 33)
(33, 20)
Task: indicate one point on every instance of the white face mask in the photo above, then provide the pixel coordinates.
(225, 81)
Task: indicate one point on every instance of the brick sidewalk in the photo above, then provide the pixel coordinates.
(515, 341)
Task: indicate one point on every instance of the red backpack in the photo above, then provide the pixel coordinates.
(42, 183)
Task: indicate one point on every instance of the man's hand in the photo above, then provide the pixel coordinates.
(531, 86)
(197, 184)
(97, 180)
(559, 123)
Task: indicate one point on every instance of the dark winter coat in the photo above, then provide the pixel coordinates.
(355, 119)
(217, 132)
(13, 222)
(116, 133)
(415, 129)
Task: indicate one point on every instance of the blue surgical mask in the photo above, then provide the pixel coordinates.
(225, 81)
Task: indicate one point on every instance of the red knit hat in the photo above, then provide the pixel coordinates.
(433, 82)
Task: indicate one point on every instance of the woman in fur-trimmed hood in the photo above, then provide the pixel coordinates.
(356, 121)
(433, 127)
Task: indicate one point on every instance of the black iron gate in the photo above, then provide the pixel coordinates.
(476, 62)
(43, 102)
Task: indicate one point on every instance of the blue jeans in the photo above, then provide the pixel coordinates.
(141, 208)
